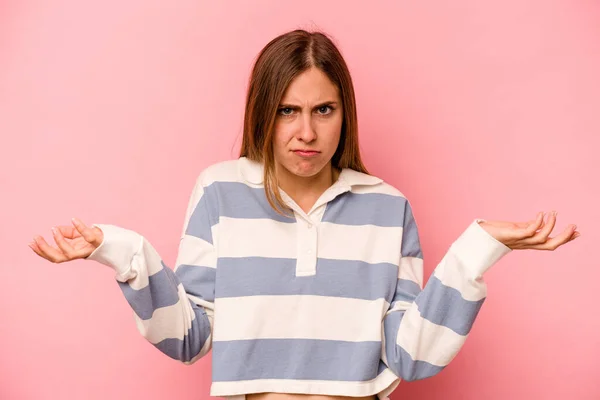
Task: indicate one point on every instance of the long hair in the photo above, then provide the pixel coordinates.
(277, 64)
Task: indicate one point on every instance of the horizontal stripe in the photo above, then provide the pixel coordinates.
(222, 171)
(143, 264)
(238, 200)
(310, 317)
(147, 260)
(366, 209)
(273, 239)
(204, 216)
(196, 343)
(371, 244)
(260, 276)
(411, 269)
(173, 322)
(381, 367)
(256, 238)
(398, 359)
(444, 305)
(411, 245)
(160, 292)
(452, 272)
(379, 384)
(295, 359)
(426, 341)
(406, 291)
(198, 281)
(195, 251)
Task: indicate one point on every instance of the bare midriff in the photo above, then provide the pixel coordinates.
(290, 396)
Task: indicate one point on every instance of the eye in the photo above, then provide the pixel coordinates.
(324, 110)
(285, 111)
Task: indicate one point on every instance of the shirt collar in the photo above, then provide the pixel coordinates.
(252, 172)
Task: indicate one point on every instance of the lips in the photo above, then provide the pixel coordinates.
(306, 153)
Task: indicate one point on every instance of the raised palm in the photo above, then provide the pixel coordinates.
(534, 234)
(74, 242)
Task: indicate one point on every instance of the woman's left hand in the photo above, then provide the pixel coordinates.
(530, 235)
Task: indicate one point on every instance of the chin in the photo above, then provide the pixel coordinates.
(306, 169)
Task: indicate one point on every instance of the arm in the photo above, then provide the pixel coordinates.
(425, 327)
(173, 309)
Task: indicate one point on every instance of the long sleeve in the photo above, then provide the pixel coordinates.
(425, 327)
(173, 309)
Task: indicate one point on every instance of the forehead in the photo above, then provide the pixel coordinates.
(310, 86)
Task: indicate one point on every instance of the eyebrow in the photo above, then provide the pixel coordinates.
(295, 107)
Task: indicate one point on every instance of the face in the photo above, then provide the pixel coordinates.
(308, 126)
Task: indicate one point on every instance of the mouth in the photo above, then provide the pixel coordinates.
(306, 153)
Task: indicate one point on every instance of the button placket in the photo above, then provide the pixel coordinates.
(307, 230)
(307, 248)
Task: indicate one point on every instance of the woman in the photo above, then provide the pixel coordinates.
(302, 272)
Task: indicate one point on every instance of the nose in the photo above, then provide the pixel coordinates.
(307, 133)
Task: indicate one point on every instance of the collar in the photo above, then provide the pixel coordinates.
(252, 172)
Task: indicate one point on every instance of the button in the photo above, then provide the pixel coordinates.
(309, 226)
(308, 251)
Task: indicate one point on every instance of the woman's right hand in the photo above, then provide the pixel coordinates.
(74, 242)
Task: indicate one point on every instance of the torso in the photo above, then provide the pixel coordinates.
(290, 396)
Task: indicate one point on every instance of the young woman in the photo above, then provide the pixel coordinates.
(302, 272)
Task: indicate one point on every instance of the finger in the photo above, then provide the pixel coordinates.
(67, 231)
(542, 236)
(48, 252)
(87, 233)
(33, 246)
(66, 248)
(527, 223)
(36, 248)
(531, 229)
(557, 241)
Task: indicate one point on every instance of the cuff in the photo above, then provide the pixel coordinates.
(117, 248)
(478, 250)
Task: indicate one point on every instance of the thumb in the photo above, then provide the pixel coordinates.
(87, 233)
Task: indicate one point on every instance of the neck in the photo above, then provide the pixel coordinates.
(305, 191)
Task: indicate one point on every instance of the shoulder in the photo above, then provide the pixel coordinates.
(362, 183)
(223, 171)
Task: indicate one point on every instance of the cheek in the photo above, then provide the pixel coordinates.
(333, 131)
(283, 133)
(280, 138)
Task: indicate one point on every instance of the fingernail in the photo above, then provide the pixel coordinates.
(54, 230)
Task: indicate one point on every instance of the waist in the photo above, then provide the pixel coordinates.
(293, 396)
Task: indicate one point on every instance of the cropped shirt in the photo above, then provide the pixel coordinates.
(329, 301)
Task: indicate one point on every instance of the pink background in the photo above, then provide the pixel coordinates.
(109, 110)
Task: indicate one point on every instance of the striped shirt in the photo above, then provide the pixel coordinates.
(329, 301)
